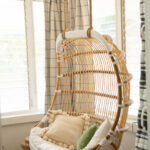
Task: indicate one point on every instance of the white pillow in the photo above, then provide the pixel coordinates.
(99, 134)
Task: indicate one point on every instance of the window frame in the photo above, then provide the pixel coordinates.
(30, 42)
(31, 63)
(121, 37)
(120, 24)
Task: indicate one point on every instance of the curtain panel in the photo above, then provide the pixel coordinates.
(77, 19)
(142, 130)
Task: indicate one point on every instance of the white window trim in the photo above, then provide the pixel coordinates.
(22, 118)
(30, 42)
(121, 37)
(36, 117)
(120, 24)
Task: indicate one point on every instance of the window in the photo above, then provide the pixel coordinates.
(22, 83)
(107, 20)
(104, 20)
(22, 56)
(133, 49)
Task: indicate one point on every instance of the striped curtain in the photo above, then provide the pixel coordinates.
(142, 131)
(77, 19)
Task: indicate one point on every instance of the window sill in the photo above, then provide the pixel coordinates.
(20, 119)
(35, 117)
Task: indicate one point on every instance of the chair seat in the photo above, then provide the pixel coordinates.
(37, 143)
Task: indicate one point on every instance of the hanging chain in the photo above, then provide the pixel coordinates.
(65, 21)
(91, 23)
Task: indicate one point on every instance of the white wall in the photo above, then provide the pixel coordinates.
(128, 141)
(14, 135)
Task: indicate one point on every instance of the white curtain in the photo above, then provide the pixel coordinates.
(77, 19)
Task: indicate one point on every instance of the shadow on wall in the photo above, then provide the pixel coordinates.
(128, 142)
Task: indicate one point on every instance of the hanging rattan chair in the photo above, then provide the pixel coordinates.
(92, 78)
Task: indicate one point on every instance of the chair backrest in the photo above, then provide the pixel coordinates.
(92, 78)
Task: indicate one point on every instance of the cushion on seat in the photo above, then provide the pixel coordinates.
(86, 136)
(37, 143)
(65, 130)
(101, 132)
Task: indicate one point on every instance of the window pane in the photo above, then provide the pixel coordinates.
(39, 30)
(133, 50)
(104, 21)
(104, 17)
(13, 61)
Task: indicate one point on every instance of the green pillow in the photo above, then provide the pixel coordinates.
(86, 137)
